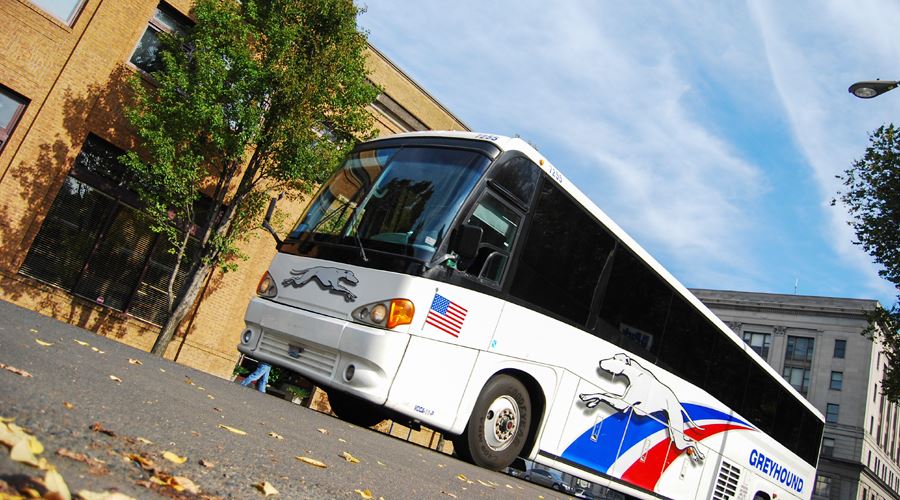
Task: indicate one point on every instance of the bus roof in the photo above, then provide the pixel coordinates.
(517, 144)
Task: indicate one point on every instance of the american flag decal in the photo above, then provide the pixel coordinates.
(445, 315)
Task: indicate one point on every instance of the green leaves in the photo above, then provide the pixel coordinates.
(871, 195)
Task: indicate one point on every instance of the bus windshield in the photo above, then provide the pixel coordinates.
(397, 200)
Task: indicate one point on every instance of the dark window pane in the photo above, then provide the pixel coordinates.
(146, 54)
(150, 301)
(115, 267)
(517, 177)
(762, 398)
(840, 348)
(67, 235)
(11, 107)
(634, 306)
(562, 258)
(499, 225)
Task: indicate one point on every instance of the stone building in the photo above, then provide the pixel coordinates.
(70, 244)
(817, 346)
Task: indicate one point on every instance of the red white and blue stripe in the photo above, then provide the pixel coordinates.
(617, 446)
(446, 315)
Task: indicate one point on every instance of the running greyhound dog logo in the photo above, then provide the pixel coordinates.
(329, 278)
(657, 397)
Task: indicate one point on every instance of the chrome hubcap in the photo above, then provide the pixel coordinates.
(500, 423)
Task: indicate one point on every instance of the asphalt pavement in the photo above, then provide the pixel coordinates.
(107, 413)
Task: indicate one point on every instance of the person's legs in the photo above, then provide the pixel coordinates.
(261, 369)
(261, 385)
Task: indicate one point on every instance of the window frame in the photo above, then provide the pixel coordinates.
(73, 16)
(842, 350)
(839, 380)
(10, 127)
(157, 26)
(828, 413)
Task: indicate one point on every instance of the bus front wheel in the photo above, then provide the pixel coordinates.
(498, 427)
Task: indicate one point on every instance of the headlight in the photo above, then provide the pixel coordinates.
(386, 314)
(267, 287)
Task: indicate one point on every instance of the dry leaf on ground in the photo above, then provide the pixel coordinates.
(98, 427)
(33, 330)
(210, 396)
(232, 429)
(135, 361)
(182, 483)
(104, 495)
(276, 435)
(175, 459)
(144, 440)
(80, 342)
(451, 495)
(21, 452)
(15, 370)
(68, 405)
(323, 431)
(115, 378)
(41, 342)
(145, 463)
(348, 457)
(266, 488)
(366, 493)
(483, 483)
(56, 484)
(97, 467)
(207, 463)
(312, 461)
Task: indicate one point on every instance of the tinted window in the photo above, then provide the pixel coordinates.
(633, 304)
(562, 258)
(516, 177)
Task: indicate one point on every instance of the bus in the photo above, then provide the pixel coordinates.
(459, 281)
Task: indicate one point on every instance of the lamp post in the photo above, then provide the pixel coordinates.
(870, 89)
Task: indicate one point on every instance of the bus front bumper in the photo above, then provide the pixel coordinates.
(332, 352)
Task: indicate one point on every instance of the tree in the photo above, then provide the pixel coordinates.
(258, 96)
(872, 197)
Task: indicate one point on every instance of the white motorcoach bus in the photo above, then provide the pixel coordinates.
(460, 281)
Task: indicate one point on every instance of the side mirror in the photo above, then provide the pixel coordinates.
(268, 219)
(468, 239)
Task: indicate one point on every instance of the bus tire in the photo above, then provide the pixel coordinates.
(498, 426)
(354, 410)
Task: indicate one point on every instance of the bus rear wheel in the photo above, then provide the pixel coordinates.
(355, 410)
(498, 427)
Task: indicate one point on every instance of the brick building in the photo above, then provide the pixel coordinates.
(71, 246)
(815, 343)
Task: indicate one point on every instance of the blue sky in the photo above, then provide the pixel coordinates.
(710, 131)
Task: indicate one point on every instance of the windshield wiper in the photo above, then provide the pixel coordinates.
(362, 249)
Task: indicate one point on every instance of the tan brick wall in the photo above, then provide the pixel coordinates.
(74, 79)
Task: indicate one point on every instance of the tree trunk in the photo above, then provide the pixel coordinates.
(184, 305)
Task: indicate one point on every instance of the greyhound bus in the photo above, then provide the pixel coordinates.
(460, 281)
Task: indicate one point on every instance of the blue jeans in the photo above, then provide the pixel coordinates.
(262, 374)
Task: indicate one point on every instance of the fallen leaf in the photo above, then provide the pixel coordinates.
(266, 488)
(451, 495)
(188, 380)
(312, 461)
(41, 342)
(21, 452)
(207, 464)
(105, 495)
(323, 431)
(80, 342)
(56, 484)
(210, 396)
(145, 463)
(35, 446)
(144, 440)
(441, 466)
(489, 485)
(366, 493)
(97, 467)
(162, 370)
(350, 458)
(200, 388)
(135, 361)
(232, 429)
(33, 330)
(29, 493)
(68, 405)
(4, 420)
(462, 477)
(98, 427)
(381, 463)
(175, 459)
(342, 440)
(509, 486)
(184, 484)
(115, 378)
(276, 436)
(15, 370)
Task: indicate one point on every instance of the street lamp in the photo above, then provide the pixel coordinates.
(868, 90)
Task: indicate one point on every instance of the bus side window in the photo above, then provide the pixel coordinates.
(499, 224)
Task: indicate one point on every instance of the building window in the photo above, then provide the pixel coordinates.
(828, 447)
(64, 10)
(797, 377)
(12, 106)
(837, 380)
(146, 54)
(95, 244)
(823, 486)
(759, 342)
(840, 348)
(799, 349)
(831, 413)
